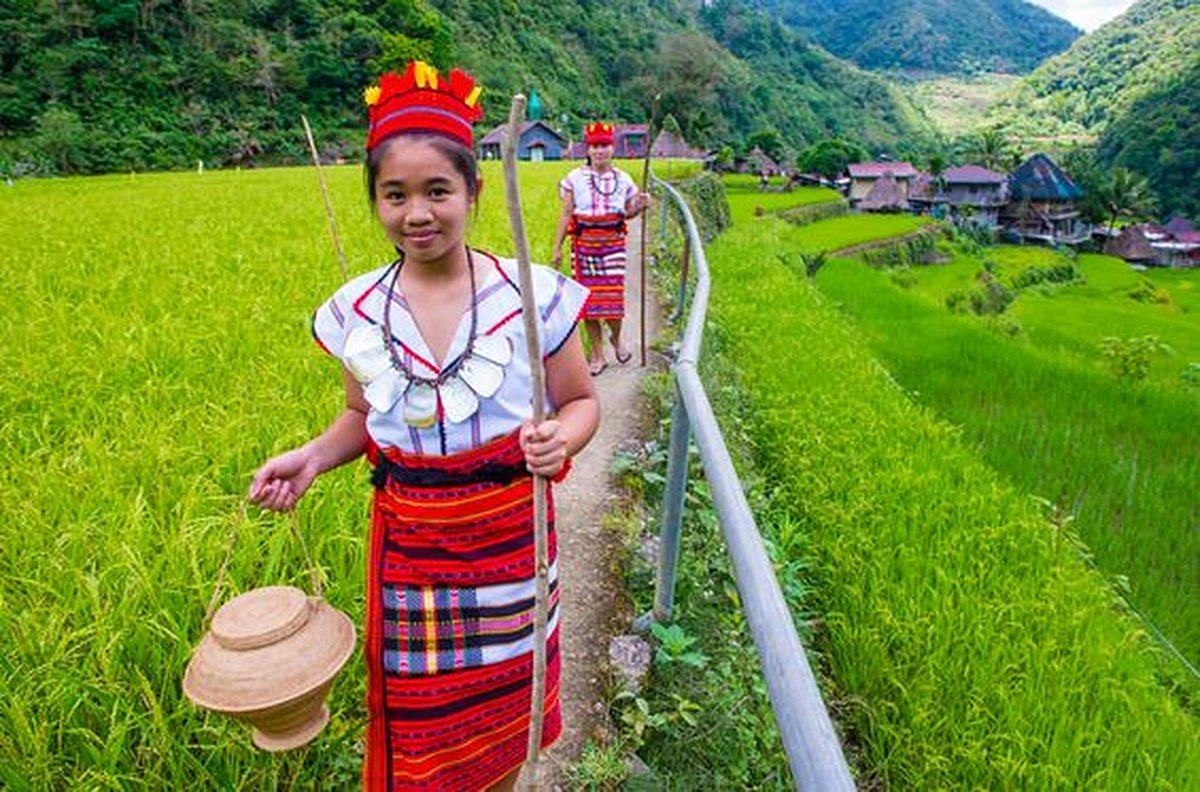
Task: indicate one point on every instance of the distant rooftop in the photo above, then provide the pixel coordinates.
(874, 170)
(973, 174)
(1039, 179)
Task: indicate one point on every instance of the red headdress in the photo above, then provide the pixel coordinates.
(598, 134)
(421, 101)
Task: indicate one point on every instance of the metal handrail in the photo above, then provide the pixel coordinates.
(812, 746)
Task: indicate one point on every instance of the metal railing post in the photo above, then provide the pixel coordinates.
(668, 550)
(662, 223)
(809, 738)
(683, 278)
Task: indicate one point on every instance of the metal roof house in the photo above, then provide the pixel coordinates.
(1041, 207)
(538, 142)
(967, 193)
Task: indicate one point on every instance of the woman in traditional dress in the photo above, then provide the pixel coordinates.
(597, 199)
(438, 391)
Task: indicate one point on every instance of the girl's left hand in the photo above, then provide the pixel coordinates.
(545, 447)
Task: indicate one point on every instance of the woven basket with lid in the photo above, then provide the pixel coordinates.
(269, 658)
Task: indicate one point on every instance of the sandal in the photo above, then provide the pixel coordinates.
(596, 367)
(623, 359)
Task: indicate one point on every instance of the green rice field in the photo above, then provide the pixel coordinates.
(158, 352)
(1119, 460)
(965, 642)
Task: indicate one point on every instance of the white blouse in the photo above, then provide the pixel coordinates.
(360, 302)
(598, 193)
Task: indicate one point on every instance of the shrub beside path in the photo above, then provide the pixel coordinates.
(593, 601)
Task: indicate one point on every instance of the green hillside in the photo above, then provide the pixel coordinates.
(1101, 76)
(930, 35)
(1160, 137)
(96, 85)
(1131, 85)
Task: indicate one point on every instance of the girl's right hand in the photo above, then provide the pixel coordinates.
(282, 481)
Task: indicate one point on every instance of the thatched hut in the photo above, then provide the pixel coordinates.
(1131, 244)
(885, 196)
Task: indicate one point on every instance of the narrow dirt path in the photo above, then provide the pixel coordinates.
(593, 603)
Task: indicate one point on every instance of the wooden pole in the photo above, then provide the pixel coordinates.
(512, 191)
(645, 216)
(337, 244)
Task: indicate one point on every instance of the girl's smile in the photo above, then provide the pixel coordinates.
(422, 202)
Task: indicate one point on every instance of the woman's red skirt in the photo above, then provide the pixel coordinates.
(598, 259)
(450, 588)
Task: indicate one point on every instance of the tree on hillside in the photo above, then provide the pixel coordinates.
(769, 141)
(1125, 193)
(683, 76)
(830, 157)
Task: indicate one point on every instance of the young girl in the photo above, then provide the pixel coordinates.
(597, 199)
(438, 395)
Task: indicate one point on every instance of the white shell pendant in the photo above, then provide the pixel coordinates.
(482, 375)
(385, 390)
(497, 349)
(458, 400)
(365, 353)
(420, 406)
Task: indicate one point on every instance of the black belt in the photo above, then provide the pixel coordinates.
(490, 473)
(582, 225)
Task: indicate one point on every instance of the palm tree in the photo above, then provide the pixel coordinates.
(1125, 193)
(937, 169)
(992, 148)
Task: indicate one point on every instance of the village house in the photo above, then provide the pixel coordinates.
(885, 195)
(669, 146)
(759, 162)
(1173, 245)
(864, 177)
(1041, 205)
(975, 194)
(537, 142)
(1178, 250)
(1132, 245)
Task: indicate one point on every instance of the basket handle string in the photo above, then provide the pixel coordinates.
(294, 524)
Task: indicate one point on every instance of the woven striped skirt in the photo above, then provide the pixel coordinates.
(449, 634)
(598, 259)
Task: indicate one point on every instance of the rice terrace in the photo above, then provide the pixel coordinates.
(944, 265)
(970, 635)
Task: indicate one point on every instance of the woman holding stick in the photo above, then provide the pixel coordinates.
(438, 389)
(597, 200)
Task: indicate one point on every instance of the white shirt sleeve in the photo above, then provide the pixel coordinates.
(559, 303)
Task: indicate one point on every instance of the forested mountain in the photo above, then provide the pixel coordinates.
(1133, 83)
(1104, 73)
(102, 85)
(944, 36)
(1159, 137)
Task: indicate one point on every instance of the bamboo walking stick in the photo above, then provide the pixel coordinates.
(512, 191)
(337, 244)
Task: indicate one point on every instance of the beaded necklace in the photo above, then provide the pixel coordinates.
(372, 357)
(398, 361)
(596, 187)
